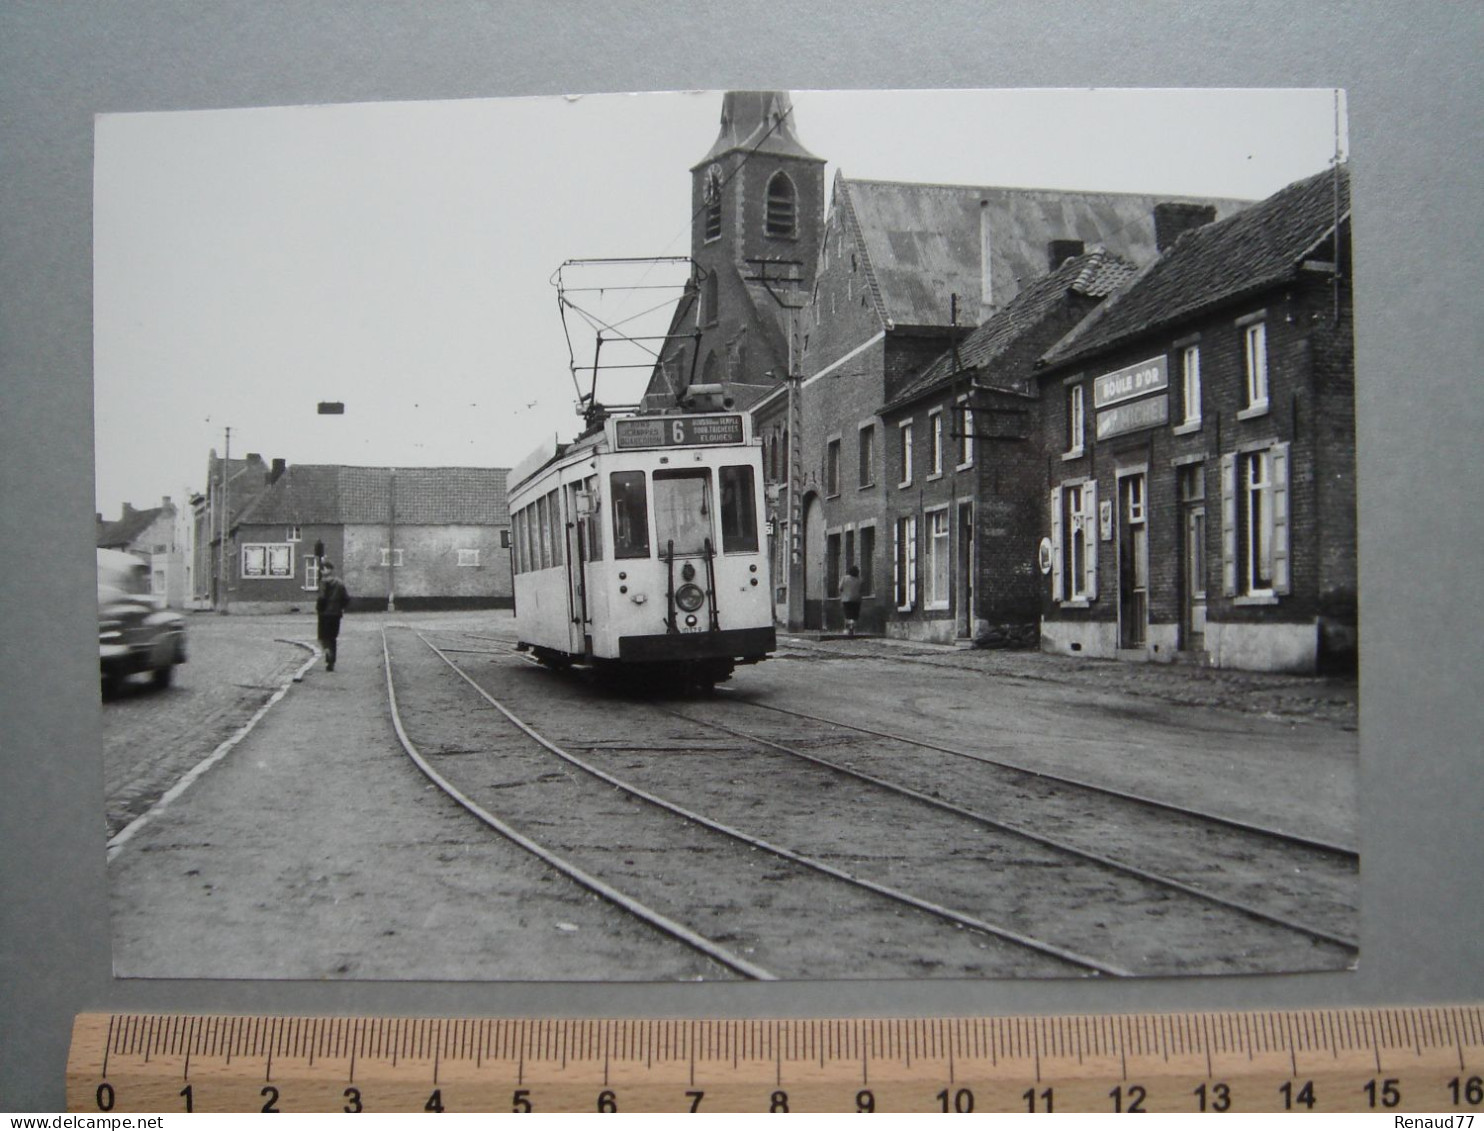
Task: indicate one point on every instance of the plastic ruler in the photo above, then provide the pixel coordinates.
(1367, 1060)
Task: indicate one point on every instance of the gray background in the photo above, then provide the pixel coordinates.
(1414, 100)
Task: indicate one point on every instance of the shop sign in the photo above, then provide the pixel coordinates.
(1148, 413)
(1131, 381)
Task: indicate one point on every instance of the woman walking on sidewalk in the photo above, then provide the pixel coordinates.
(850, 598)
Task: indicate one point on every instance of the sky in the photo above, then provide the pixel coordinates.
(398, 257)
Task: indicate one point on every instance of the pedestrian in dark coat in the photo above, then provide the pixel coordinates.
(330, 605)
(850, 598)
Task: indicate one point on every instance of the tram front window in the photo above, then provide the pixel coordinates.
(630, 515)
(682, 510)
(738, 510)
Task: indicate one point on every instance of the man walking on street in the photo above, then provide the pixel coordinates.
(330, 605)
(850, 598)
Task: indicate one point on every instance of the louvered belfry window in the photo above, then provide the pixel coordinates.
(781, 215)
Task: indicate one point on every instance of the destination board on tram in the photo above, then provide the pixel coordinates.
(677, 431)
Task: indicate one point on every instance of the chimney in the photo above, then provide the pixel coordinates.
(1172, 220)
(986, 285)
(128, 509)
(1059, 251)
(279, 467)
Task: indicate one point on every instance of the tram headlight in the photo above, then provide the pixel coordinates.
(690, 597)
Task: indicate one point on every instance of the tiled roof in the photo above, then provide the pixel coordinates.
(923, 242)
(1249, 252)
(123, 531)
(425, 496)
(1094, 275)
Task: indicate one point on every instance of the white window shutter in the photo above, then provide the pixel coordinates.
(1281, 524)
(1229, 524)
(912, 562)
(1091, 534)
(897, 589)
(1058, 593)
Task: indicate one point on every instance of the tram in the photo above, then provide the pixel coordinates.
(638, 547)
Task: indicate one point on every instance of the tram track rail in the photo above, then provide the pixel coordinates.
(627, 903)
(1331, 934)
(1086, 963)
(1100, 859)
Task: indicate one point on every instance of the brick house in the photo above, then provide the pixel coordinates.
(231, 484)
(407, 538)
(905, 269)
(1199, 429)
(155, 536)
(966, 475)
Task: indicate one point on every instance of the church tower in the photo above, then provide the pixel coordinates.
(758, 196)
(757, 218)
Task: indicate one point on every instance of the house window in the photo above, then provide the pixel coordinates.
(311, 572)
(1255, 353)
(935, 444)
(1076, 419)
(937, 596)
(1190, 384)
(831, 566)
(867, 560)
(1074, 547)
(292, 534)
(904, 465)
(867, 455)
(832, 467)
(390, 557)
(904, 563)
(1255, 523)
(505, 539)
(965, 435)
(262, 560)
(469, 558)
(781, 213)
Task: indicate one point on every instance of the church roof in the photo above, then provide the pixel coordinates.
(760, 121)
(924, 242)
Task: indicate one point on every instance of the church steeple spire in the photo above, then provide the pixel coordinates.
(757, 120)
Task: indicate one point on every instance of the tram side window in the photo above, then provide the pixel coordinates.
(630, 515)
(543, 519)
(738, 511)
(582, 502)
(519, 522)
(558, 531)
(682, 510)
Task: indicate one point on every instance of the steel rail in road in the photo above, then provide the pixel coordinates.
(1040, 946)
(1036, 838)
(1060, 779)
(676, 930)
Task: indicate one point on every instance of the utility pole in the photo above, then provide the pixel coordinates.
(225, 497)
(391, 554)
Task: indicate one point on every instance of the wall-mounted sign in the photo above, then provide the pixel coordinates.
(1105, 520)
(1043, 555)
(676, 431)
(1148, 413)
(1131, 381)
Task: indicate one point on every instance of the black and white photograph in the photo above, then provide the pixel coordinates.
(729, 535)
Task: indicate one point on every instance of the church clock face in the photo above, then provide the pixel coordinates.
(711, 191)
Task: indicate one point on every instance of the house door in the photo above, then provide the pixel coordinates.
(964, 587)
(1193, 620)
(1133, 561)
